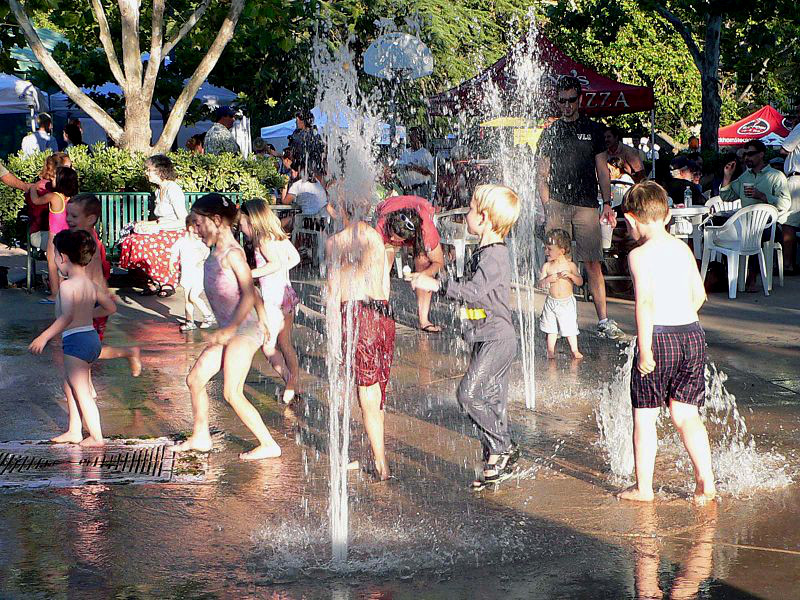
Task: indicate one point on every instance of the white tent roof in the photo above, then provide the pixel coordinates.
(208, 94)
(320, 121)
(18, 96)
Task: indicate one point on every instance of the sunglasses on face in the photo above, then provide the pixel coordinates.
(752, 152)
(407, 222)
(568, 100)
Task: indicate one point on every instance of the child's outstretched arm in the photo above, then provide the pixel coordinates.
(644, 313)
(67, 300)
(241, 270)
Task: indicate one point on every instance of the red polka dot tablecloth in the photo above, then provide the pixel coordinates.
(150, 253)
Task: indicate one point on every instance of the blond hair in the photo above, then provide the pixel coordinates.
(265, 224)
(501, 203)
(647, 201)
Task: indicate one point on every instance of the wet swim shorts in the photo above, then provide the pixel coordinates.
(560, 316)
(373, 327)
(82, 344)
(680, 355)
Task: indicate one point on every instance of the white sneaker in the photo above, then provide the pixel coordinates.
(609, 329)
(207, 323)
(188, 326)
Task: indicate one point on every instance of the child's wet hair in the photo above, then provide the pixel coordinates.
(189, 220)
(214, 204)
(66, 181)
(647, 201)
(264, 223)
(559, 238)
(501, 203)
(90, 204)
(78, 246)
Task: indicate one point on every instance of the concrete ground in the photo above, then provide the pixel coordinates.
(225, 529)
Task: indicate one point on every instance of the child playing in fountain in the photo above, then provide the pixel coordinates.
(230, 291)
(75, 308)
(275, 255)
(560, 312)
(669, 363)
(190, 253)
(483, 392)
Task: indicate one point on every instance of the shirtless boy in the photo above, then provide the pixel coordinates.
(560, 312)
(669, 364)
(358, 290)
(75, 308)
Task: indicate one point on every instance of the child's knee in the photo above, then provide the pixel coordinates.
(684, 415)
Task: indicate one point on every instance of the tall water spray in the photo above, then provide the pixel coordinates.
(350, 131)
(515, 162)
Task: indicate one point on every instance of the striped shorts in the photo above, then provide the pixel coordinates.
(680, 355)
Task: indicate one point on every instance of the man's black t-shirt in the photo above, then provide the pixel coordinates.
(572, 147)
(676, 188)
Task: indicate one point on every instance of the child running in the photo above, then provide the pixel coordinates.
(83, 211)
(275, 256)
(190, 253)
(229, 288)
(66, 186)
(560, 312)
(75, 307)
(669, 363)
(486, 290)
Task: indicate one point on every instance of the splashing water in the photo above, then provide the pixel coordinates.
(349, 135)
(739, 467)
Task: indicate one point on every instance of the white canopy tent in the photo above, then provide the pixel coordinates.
(18, 96)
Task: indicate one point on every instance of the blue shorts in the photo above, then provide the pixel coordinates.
(84, 345)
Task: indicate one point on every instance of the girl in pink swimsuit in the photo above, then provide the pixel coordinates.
(66, 186)
(275, 256)
(230, 291)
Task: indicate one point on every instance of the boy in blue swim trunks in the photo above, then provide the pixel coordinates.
(75, 309)
(670, 358)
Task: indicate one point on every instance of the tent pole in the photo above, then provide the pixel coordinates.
(653, 143)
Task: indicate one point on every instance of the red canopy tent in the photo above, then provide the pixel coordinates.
(602, 96)
(766, 123)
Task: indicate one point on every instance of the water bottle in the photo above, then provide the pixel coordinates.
(687, 197)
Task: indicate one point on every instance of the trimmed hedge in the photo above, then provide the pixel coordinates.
(108, 169)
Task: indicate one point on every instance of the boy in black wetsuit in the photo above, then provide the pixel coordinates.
(486, 291)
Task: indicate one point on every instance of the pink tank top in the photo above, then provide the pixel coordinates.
(57, 221)
(222, 291)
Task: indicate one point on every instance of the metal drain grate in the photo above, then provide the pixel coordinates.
(32, 464)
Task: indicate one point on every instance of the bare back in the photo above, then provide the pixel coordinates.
(358, 267)
(665, 275)
(77, 296)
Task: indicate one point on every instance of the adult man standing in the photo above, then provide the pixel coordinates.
(305, 144)
(219, 138)
(415, 167)
(571, 163)
(791, 166)
(631, 160)
(40, 140)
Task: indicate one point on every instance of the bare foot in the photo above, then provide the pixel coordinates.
(90, 442)
(288, 395)
(135, 362)
(577, 355)
(263, 451)
(636, 495)
(200, 444)
(68, 438)
(703, 494)
(551, 355)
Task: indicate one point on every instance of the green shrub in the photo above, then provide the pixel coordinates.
(107, 169)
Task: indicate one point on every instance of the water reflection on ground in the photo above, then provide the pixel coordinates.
(227, 529)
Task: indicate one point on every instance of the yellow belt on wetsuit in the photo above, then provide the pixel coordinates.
(472, 314)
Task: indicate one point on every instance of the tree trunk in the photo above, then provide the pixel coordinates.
(709, 81)
(137, 133)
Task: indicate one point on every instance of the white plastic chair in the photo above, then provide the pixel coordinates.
(318, 231)
(454, 233)
(739, 237)
(772, 249)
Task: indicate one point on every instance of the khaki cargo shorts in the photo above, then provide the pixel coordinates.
(582, 223)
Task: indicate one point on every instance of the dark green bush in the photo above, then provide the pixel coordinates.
(106, 169)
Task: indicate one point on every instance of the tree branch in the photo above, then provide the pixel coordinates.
(683, 31)
(205, 67)
(156, 49)
(108, 43)
(61, 78)
(187, 27)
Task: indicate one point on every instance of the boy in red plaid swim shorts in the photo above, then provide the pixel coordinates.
(669, 364)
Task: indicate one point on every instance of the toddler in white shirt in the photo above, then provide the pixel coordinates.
(190, 253)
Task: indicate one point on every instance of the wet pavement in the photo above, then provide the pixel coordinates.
(221, 528)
